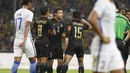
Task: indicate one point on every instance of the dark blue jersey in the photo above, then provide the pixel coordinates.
(59, 28)
(43, 26)
(76, 31)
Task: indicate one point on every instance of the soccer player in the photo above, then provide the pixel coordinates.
(42, 41)
(23, 40)
(75, 44)
(50, 16)
(121, 26)
(106, 56)
(55, 41)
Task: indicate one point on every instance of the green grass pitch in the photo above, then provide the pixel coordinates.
(27, 71)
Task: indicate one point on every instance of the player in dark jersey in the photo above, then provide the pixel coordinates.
(75, 44)
(55, 45)
(43, 28)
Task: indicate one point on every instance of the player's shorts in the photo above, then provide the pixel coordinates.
(56, 51)
(28, 48)
(42, 49)
(121, 47)
(108, 59)
(75, 49)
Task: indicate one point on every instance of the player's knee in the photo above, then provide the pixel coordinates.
(50, 62)
(17, 59)
(80, 60)
(33, 59)
(44, 59)
(60, 62)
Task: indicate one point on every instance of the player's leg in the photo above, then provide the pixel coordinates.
(30, 52)
(37, 45)
(32, 64)
(43, 58)
(16, 64)
(126, 54)
(118, 71)
(81, 66)
(18, 52)
(122, 49)
(44, 61)
(59, 66)
(38, 64)
(80, 56)
(50, 64)
(67, 59)
(50, 59)
(59, 57)
(68, 56)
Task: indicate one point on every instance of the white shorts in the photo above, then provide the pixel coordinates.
(28, 48)
(110, 57)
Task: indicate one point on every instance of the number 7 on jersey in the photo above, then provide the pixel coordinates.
(18, 22)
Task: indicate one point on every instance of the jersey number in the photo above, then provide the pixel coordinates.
(39, 30)
(18, 22)
(78, 33)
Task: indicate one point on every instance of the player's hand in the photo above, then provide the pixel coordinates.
(83, 21)
(105, 40)
(22, 44)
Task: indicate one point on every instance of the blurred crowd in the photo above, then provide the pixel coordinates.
(7, 10)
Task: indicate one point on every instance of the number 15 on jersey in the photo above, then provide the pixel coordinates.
(18, 22)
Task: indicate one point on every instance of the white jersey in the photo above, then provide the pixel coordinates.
(110, 57)
(107, 16)
(21, 16)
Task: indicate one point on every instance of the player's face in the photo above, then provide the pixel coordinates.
(59, 14)
(50, 16)
(128, 15)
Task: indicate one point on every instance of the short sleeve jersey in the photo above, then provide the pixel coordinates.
(21, 16)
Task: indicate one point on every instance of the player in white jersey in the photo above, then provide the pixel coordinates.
(106, 56)
(23, 40)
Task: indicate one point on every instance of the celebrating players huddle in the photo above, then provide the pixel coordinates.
(51, 31)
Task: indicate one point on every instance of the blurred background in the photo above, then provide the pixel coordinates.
(8, 7)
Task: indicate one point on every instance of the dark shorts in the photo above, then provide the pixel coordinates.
(75, 49)
(124, 51)
(42, 50)
(56, 51)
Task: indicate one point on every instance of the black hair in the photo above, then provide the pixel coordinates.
(56, 10)
(25, 2)
(76, 14)
(44, 10)
(117, 5)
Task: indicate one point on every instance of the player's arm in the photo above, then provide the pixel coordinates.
(27, 26)
(94, 20)
(127, 37)
(86, 23)
(26, 30)
(127, 32)
(52, 30)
